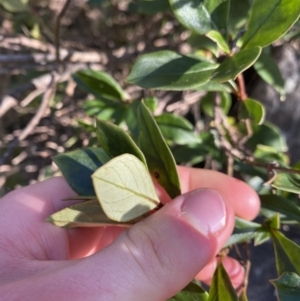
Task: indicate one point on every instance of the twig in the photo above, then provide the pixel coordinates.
(13, 97)
(271, 166)
(57, 31)
(48, 95)
(242, 88)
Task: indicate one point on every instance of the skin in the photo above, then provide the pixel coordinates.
(152, 260)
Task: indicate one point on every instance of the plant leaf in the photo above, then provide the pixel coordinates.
(236, 64)
(86, 214)
(159, 158)
(268, 70)
(286, 208)
(270, 20)
(239, 237)
(287, 182)
(116, 141)
(219, 39)
(267, 134)
(287, 286)
(221, 288)
(286, 253)
(207, 103)
(238, 14)
(124, 188)
(78, 166)
(252, 109)
(100, 84)
(201, 16)
(168, 70)
(13, 6)
(191, 292)
(176, 128)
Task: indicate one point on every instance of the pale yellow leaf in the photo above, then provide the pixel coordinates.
(124, 188)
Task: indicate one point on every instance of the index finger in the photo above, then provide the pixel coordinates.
(243, 199)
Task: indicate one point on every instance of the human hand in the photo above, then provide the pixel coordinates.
(152, 260)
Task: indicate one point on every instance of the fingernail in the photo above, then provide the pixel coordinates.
(205, 210)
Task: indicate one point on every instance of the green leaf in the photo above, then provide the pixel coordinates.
(233, 66)
(268, 154)
(189, 153)
(238, 14)
(236, 64)
(219, 39)
(125, 189)
(168, 70)
(270, 20)
(100, 84)
(287, 182)
(267, 134)
(207, 103)
(116, 141)
(213, 87)
(261, 235)
(14, 6)
(158, 155)
(176, 128)
(202, 42)
(221, 288)
(252, 109)
(78, 166)
(151, 103)
(192, 292)
(286, 208)
(245, 225)
(287, 286)
(201, 16)
(86, 214)
(239, 237)
(268, 70)
(286, 253)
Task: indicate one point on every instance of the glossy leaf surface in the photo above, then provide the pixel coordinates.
(287, 286)
(159, 158)
(168, 70)
(78, 166)
(176, 128)
(124, 188)
(221, 288)
(100, 84)
(207, 103)
(252, 109)
(268, 70)
(286, 253)
(202, 16)
(116, 141)
(287, 182)
(219, 39)
(286, 208)
(236, 64)
(269, 20)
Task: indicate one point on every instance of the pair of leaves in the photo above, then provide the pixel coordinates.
(168, 70)
(123, 185)
(268, 21)
(152, 151)
(221, 289)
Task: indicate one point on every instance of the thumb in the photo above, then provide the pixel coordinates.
(151, 261)
(159, 256)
